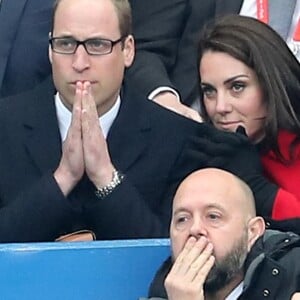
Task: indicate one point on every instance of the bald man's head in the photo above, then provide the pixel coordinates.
(219, 206)
(222, 185)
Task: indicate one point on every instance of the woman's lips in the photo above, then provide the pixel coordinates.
(228, 124)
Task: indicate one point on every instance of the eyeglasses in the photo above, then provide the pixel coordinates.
(68, 45)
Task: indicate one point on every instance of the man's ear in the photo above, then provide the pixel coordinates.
(50, 50)
(256, 228)
(296, 296)
(128, 50)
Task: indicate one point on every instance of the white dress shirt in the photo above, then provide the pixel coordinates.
(236, 292)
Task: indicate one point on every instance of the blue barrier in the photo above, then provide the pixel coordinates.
(100, 270)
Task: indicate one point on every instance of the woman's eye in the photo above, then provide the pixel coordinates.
(238, 87)
(208, 92)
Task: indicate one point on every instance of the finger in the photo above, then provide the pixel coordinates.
(241, 130)
(203, 272)
(184, 252)
(193, 254)
(91, 104)
(90, 121)
(199, 262)
(194, 115)
(87, 100)
(74, 131)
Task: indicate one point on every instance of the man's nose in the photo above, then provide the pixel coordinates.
(198, 228)
(81, 59)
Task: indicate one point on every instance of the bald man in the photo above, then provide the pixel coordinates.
(219, 245)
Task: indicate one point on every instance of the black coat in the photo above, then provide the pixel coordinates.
(272, 269)
(145, 142)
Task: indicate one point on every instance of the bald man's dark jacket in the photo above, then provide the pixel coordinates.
(272, 269)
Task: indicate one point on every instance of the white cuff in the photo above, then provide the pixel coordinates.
(162, 89)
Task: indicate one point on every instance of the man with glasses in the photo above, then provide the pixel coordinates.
(78, 155)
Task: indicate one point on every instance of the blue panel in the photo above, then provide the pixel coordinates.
(102, 270)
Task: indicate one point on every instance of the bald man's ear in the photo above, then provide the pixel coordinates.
(256, 228)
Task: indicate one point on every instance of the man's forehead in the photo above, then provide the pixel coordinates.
(104, 7)
(202, 206)
(206, 196)
(89, 18)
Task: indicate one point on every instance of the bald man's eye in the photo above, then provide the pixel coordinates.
(181, 222)
(214, 217)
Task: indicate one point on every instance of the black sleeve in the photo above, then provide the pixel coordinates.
(157, 27)
(37, 214)
(235, 153)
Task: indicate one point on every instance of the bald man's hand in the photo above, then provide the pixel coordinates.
(190, 269)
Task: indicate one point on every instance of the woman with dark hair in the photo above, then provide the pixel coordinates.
(250, 78)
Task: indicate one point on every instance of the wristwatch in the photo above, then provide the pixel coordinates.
(106, 190)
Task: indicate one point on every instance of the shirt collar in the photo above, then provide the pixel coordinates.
(64, 117)
(236, 292)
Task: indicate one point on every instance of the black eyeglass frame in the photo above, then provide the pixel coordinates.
(83, 43)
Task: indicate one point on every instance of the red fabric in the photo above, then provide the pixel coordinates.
(287, 177)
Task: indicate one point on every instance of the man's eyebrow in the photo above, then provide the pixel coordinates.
(180, 210)
(215, 205)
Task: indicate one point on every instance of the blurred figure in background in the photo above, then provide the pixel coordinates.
(282, 16)
(24, 28)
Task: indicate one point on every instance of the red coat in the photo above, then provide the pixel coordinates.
(287, 177)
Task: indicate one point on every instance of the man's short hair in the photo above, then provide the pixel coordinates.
(123, 11)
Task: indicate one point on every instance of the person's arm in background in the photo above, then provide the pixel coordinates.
(165, 68)
(157, 28)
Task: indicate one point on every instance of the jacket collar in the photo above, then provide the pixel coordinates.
(267, 250)
(129, 135)
(42, 138)
(127, 139)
